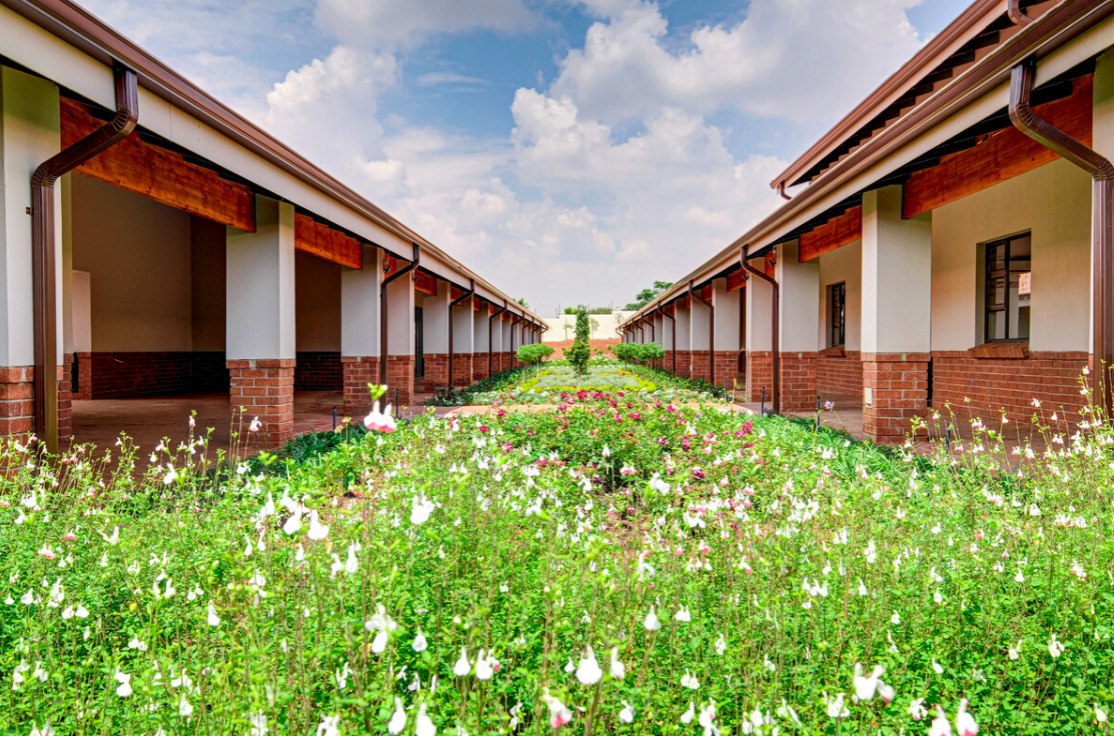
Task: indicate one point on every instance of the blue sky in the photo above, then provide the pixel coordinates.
(568, 150)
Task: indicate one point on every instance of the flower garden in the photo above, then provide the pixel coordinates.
(615, 563)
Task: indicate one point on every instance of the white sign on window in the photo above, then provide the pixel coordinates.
(1025, 284)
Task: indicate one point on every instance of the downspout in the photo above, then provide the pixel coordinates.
(1102, 206)
(781, 190)
(42, 247)
(383, 311)
(452, 325)
(711, 332)
(775, 341)
(490, 322)
(1016, 14)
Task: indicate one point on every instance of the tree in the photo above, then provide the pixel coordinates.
(579, 354)
(646, 296)
(523, 303)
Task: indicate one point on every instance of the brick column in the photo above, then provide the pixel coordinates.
(17, 401)
(684, 362)
(358, 373)
(260, 334)
(727, 366)
(895, 390)
(799, 323)
(896, 314)
(462, 368)
(701, 362)
(264, 388)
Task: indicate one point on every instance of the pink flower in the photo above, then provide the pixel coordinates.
(380, 421)
(47, 552)
(628, 470)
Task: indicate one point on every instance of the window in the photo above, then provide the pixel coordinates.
(837, 314)
(1008, 289)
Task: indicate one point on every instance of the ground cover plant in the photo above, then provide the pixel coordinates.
(606, 566)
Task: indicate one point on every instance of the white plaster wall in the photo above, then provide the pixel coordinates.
(479, 338)
(359, 304)
(400, 316)
(800, 307)
(684, 327)
(727, 316)
(843, 265)
(435, 320)
(759, 316)
(1054, 203)
(82, 313)
(137, 254)
(463, 327)
(699, 325)
(608, 325)
(317, 297)
(29, 134)
(260, 285)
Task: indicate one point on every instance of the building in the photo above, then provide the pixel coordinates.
(948, 242)
(154, 241)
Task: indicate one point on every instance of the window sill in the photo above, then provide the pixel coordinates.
(1000, 351)
(836, 352)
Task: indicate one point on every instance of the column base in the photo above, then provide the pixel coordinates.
(264, 388)
(798, 381)
(400, 380)
(84, 377)
(359, 371)
(684, 363)
(462, 369)
(17, 401)
(701, 363)
(436, 371)
(895, 391)
(760, 375)
(65, 399)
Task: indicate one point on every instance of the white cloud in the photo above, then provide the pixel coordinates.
(395, 23)
(796, 59)
(433, 79)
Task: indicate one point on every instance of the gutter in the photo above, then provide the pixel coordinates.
(384, 308)
(1016, 14)
(490, 323)
(452, 326)
(43, 247)
(1102, 207)
(775, 341)
(711, 332)
(1055, 28)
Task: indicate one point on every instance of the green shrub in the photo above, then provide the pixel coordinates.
(530, 354)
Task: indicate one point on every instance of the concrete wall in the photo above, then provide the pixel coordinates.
(137, 254)
(843, 265)
(605, 331)
(317, 296)
(1054, 203)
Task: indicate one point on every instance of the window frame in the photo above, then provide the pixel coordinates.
(991, 275)
(837, 314)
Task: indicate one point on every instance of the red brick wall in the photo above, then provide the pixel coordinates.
(437, 370)
(727, 366)
(17, 400)
(760, 374)
(840, 375)
(84, 377)
(400, 380)
(359, 371)
(208, 372)
(123, 375)
(798, 381)
(265, 389)
(462, 369)
(319, 371)
(479, 367)
(900, 387)
(996, 384)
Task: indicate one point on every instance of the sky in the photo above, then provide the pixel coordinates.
(569, 151)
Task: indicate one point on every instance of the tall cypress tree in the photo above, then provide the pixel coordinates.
(580, 351)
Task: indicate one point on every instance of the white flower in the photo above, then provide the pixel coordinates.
(424, 726)
(683, 615)
(689, 680)
(964, 723)
(398, 719)
(114, 537)
(329, 726)
(836, 707)
(688, 715)
(916, 709)
(185, 709)
(707, 719)
(420, 644)
(462, 666)
(213, 618)
(588, 671)
(895, 619)
(651, 623)
(1055, 648)
(936, 667)
(626, 715)
(351, 565)
(559, 714)
(721, 645)
(484, 669)
(39, 673)
(1100, 715)
(380, 421)
(937, 597)
(940, 725)
(421, 509)
(1015, 652)
(317, 530)
(125, 680)
(618, 669)
(294, 524)
(786, 711)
